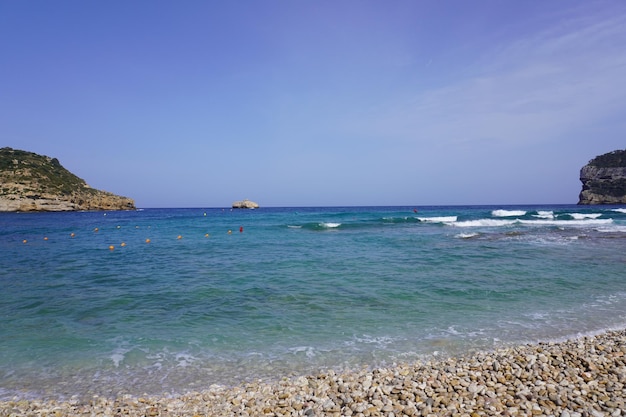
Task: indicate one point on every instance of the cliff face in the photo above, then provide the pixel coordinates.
(31, 182)
(604, 179)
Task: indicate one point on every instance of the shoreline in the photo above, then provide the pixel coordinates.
(574, 378)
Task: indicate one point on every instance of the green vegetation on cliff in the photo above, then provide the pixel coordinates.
(37, 174)
(32, 182)
(613, 159)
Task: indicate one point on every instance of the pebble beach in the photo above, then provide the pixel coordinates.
(575, 378)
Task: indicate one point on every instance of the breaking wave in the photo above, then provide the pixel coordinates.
(508, 213)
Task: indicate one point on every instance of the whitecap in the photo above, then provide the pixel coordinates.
(294, 226)
(507, 213)
(564, 223)
(466, 235)
(444, 219)
(330, 225)
(583, 216)
(620, 210)
(484, 223)
(612, 229)
(544, 214)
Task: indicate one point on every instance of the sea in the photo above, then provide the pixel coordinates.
(168, 301)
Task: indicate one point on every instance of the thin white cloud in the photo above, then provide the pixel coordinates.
(531, 89)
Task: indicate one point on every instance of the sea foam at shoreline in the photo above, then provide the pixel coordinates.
(581, 377)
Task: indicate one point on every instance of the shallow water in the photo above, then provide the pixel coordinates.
(298, 290)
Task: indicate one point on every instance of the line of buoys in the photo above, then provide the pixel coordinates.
(123, 244)
(112, 247)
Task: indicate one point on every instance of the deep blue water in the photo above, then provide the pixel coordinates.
(298, 290)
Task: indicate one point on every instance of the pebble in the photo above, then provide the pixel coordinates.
(583, 377)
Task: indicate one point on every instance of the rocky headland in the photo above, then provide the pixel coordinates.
(604, 179)
(32, 182)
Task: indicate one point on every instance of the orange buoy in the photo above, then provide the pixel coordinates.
(96, 229)
(24, 241)
(111, 247)
(72, 235)
(45, 238)
(147, 240)
(179, 237)
(206, 235)
(123, 244)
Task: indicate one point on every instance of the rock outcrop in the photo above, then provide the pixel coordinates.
(32, 182)
(245, 204)
(604, 179)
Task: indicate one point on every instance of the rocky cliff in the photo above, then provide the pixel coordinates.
(604, 179)
(31, 182)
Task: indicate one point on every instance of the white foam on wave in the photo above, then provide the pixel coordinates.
(443, 219)
(452, 330)
(542, 222)
(118, 356)
(620, 210)
(308, 351)
(612, 229)
(184, 359)
(373, 340)
(330, 225)
(294, 226)
(544, 214)
(583, 216)
(565, 223)
(466, 235)
(484, 223)
(507, 213)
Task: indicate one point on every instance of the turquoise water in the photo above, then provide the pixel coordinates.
(298, 290)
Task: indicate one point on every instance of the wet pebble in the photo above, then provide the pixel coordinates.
(583, 377)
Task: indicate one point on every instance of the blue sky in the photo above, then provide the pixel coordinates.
(317, 103)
